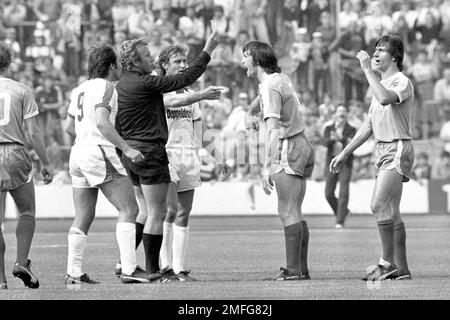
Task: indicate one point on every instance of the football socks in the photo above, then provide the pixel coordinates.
(304, 248)
(386, 229)
(126, 237)
(76, 244)
(24, 234)
(152, 246)
(139, 232)
(166, 246)
(293, 235)
(180, 247)
(400, 248)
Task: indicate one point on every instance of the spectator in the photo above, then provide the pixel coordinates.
(424, 74)
(14, 13)
(194, 30)
(429, 30)
(290, 14)
(313, 11)
(165, 25)
(441, 170)
(337, 135)
(121, 10)
(220, 64)
(49, 97)
(347, 15)
(300, 52)
(348, 44)
(157, 43)
(319, 63)
(223, 25)
(140, 20)
(441, 91)
(408, 14)
(47, 10)
(252, 18)
(356, 114)
(39, 48)
(375, 23)
(326, 109)
(326, 28)
(422, 168)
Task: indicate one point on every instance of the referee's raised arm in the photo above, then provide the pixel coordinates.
(187, 77)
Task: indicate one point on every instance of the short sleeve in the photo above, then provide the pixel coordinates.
(402, 87)
(72, 110)
(30, 108)
(270, 102)
(197, 114)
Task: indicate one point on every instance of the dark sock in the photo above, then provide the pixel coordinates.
(152, 246)
(400, 248)
(24, 234)
(293, 238)
(304, 249)
(139, 232)
(386, 229)
(2, 258)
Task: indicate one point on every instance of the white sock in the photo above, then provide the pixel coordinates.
(165, 253)
(126, 239)
(76, 245)
(180, 246)
(384, 263)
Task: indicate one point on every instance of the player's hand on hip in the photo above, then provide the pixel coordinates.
(251, 122)
(336, 163)
(135, 155)
(267, 183)
(47, 174)
(213, 40)
(364, 59)
(225, 171)
(5, 180)
(212, 93)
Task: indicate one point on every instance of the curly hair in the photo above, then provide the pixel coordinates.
(168, 52)
(129, 55)
(6, 56)
(99, 61)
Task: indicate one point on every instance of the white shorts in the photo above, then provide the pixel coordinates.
(92, 165)
(184, 169)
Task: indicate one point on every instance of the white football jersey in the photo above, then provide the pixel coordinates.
(180, 122)
(85, 99)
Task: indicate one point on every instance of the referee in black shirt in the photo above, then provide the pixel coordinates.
(141, 121)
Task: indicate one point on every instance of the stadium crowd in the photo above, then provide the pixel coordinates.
(316, 42)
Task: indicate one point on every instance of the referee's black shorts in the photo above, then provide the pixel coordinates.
(154, 169)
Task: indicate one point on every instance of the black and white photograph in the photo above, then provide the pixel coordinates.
(221, 157)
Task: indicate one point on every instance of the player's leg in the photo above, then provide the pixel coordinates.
(119, 192)
(85, 200)
(387, 185)
(400, 258)
(142, 215)
(288, 189)
(181, 233)
(24, 198)
(155, 196)
(166, 246)
(344, 189)
(305, 234)
(330, 187)
(3, 284)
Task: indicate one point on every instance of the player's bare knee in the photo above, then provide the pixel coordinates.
(377, 206)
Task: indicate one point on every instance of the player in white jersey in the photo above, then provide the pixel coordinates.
(94, 164)
(185, 138)
(18, 111)
(289, 155)
(389, 121)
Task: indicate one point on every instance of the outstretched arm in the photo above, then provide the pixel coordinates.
(185, 99)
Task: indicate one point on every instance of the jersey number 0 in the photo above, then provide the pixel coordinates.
(5, 108)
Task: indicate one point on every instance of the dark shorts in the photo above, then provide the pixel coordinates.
(296, 156)
(16, 162)
(153, 170)
(398, 155)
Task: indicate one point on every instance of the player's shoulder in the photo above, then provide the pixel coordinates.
(15, 86)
